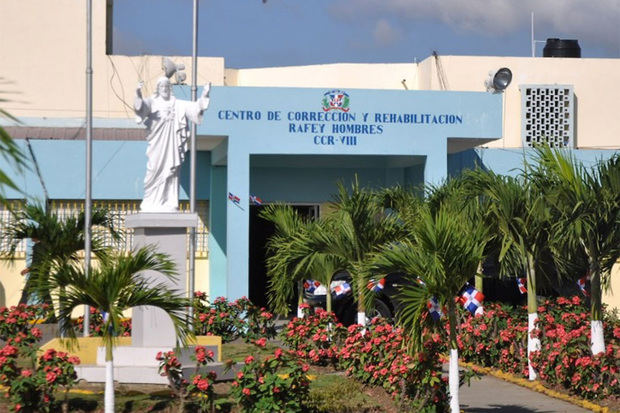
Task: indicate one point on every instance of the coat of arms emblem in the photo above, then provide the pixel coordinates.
(335, 100)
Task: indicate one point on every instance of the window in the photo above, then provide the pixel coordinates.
(547, 115)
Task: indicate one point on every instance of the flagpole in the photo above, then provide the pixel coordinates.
(192, 174)
(89, 154)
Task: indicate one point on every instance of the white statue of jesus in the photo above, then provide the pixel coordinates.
(167, 120)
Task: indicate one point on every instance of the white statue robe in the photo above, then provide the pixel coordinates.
(168, 127)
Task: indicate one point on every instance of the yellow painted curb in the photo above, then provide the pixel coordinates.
(536, 386)
(209, 341)
(84, 347)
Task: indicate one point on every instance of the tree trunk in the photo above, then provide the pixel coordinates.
(533, 343)
(328, 300)
(109, 380)
(597, 340)
(300, 299)
(479, 282)
(453, 371)
(480, 279)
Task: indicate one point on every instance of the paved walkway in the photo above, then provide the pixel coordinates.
(490, 394)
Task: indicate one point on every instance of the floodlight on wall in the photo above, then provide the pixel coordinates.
(498, 80)
(170, 68)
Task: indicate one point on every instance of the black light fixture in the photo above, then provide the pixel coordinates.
(498, 80)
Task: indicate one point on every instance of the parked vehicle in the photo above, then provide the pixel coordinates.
(344, 303)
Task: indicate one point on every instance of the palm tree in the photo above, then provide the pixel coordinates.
(443, 251)
(523, 218)
(290, 257)
(118, 284)
(56, 241)
(11, 153)
(358, 227)
(588, 204)
(341, 241)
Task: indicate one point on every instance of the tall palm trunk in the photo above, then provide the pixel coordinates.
(453, 371)
(361, 309)
(597, 340)
(328, 300)
(533, 343)
(109, 380)
(479, 283)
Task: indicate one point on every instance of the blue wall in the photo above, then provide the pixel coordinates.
(117, 171)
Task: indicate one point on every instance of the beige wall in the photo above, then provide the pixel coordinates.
(596, 84)
(340, 75)
(612, 296)
(11, 281)
(43, 49)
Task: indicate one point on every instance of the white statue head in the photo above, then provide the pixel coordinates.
(164, 88)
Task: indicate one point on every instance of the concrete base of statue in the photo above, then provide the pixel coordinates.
(152, 330)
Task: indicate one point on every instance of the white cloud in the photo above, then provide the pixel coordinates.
(385, 34)
(592, 20)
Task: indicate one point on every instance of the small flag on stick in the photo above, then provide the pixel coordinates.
(472, 299)
(234, 198)
(521, 282)
(376, 286)
(433, 309)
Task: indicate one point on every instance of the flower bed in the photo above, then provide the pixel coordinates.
(377, 357)
(232, 320)
(31, 381)
(499, 339)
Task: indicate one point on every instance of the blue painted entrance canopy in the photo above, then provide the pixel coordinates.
(291, 136)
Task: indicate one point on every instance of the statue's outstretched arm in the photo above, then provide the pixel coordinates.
(140, 105)
(204, 99)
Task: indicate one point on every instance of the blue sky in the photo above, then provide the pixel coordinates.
(250, 33)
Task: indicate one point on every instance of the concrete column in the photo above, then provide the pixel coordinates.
(237, 220)
(217, 232)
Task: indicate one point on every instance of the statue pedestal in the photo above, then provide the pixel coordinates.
(167, 232)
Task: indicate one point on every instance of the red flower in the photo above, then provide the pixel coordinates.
(50, 377)
(249, 359)
(246, 391)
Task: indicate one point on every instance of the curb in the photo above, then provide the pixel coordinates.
(537, 387)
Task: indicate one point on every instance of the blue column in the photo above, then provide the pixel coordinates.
(436, 168)
(237, 219)
(217, 232)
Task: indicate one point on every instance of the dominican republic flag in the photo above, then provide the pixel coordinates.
(311, 285)
(376, 286)
(472, 299)
(521, 284)
(340, 288)
(254, 200)
(433, 309)
(234, 198)
(582, 284)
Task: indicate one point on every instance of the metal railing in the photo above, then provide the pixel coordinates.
(118, 210)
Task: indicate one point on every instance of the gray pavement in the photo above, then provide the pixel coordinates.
(490, 394)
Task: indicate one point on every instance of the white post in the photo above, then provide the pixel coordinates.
(89, 153)
(453, 380)
(532, 35)
(192, 170)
